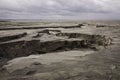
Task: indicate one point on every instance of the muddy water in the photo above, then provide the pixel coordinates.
(72, 65)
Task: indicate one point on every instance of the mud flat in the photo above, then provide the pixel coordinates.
(85, 52)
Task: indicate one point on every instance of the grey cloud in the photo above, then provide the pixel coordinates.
(60, 9)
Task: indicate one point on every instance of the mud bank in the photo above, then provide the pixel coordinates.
(45, 41)
(66, 27)
(12, 37)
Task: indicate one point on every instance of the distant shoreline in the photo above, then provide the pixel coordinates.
(51, 20)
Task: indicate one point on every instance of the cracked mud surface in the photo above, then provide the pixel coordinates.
(90, 52)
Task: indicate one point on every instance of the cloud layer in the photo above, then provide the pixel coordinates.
(59, 9)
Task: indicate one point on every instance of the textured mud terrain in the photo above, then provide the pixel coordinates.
(59, 50)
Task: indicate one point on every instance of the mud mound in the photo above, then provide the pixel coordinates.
(45, 41)
(93, 39)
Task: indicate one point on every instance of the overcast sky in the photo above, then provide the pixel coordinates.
(60, 9)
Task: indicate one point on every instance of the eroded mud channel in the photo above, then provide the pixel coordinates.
(81, 52)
